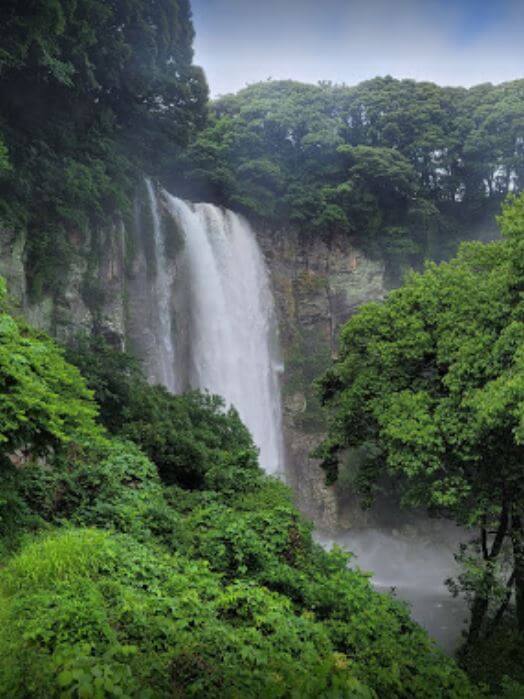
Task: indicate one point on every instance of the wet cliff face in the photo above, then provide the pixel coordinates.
(317, 284)
(106, 288)
(91, 294)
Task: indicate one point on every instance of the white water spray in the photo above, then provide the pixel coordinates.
(231, 320)
(162, 292)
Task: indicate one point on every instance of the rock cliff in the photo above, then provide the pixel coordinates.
(318, 283)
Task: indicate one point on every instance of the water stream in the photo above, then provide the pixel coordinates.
(230, 327)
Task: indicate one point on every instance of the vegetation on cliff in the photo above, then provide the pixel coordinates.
(429, 387)
(197, 578)
(143, 553)
(92, 95)
(408, 168)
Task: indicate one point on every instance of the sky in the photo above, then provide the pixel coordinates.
(450, 42)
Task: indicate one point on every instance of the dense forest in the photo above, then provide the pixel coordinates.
(143, 552)
(93, 95)
(406, 168)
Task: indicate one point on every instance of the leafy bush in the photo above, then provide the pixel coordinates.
(191, 439)
(114, 487)
(95, 615)
(44, 401)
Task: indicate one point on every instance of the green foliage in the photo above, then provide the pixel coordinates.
(113, 618)
(498, 661)
(4, 157)
(92, 95)
(85, 608)
(44, 401)
(46, 412)
(408, 168)
(429, 385)
(190, 438)
(212, 587)
(112, 487)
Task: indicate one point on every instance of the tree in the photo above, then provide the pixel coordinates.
(93, 94)
(430, 386)
(369, 161)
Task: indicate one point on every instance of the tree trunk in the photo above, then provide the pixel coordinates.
(479, 609)
(517, 540)
(480, 605)
(503, 607)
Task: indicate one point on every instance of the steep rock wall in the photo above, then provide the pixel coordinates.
(91, 294)
(106, 288)
(318, 283)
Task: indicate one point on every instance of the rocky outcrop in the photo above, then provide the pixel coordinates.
(91, 295)
(12, 269)
(318, 283)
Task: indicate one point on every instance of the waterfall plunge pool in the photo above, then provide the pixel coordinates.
(412, 566)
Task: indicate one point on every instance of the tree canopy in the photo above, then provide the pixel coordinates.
(429, 386)
(400, 165)
(92, 94)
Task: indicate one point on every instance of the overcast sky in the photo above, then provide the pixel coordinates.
(451, 42)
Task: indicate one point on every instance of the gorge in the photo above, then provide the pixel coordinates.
(261, 367)
(206, 303)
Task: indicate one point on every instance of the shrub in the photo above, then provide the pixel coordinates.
(97, 615)
(44, 402)
(192, 439)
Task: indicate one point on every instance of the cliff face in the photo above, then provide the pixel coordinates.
(107, 288)
(91, 295)
(318, 283)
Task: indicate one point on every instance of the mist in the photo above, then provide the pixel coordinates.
(412, 563)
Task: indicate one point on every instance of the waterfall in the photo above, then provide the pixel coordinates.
(162, 298)
(230, 323)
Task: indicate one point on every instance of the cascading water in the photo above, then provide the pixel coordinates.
(162, 292)
(229, 319)
(226, 342)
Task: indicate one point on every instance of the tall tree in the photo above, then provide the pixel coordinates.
(430, 386)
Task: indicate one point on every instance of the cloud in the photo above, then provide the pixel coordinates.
(451, 43)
